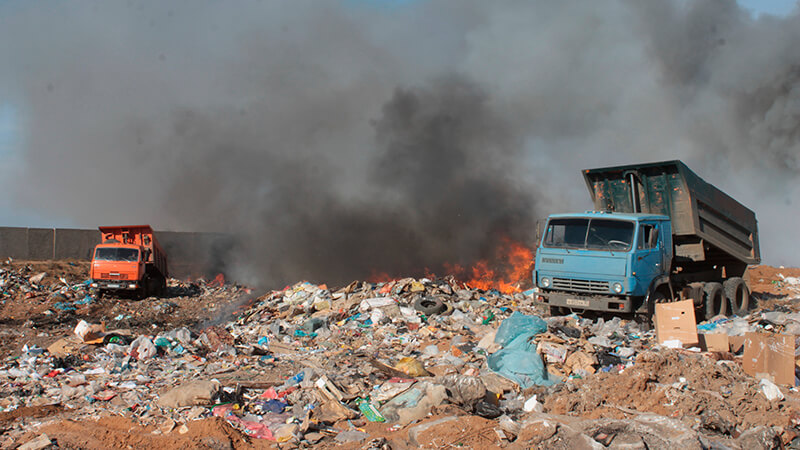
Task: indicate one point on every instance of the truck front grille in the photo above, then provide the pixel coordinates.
(568, 284)
(113, 276)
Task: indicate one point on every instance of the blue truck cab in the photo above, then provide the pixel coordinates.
(602, 261)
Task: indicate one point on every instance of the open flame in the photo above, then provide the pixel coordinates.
(219, 280)
(379, 277)
(508, 270)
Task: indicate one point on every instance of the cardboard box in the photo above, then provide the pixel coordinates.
(769, 356)
(676, 321)
(736, 343)
(714, 342)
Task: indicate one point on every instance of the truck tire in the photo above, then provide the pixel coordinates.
(715, 302)
(429, 305)
(655, 297)
(738, 295)
(696, 294)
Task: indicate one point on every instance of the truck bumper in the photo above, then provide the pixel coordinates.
(121, 285)
(585, 302)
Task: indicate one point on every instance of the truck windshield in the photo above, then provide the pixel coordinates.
(116, 254)
(591, 234)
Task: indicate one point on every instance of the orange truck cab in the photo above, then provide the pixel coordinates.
(129, 258)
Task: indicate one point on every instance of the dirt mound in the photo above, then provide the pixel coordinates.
(716, 394)
(120, 432)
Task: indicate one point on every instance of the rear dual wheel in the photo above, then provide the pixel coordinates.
(714, 299)
(738, 295)
(718, 297)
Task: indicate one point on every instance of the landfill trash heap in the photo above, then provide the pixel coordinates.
(402, 364)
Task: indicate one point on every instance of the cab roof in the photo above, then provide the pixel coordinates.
(118, 245)
(610, 215)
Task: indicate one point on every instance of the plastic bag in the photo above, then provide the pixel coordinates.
(464, 390)
(142, 348)
(488, 410)
(411, 367)
(518, 360)
(517, 324)
(770, 390)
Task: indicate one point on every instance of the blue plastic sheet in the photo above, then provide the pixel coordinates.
(518, 360)
(517, 324)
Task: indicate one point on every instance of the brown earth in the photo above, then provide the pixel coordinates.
(764, 280)
(116, 432)
(718, 395)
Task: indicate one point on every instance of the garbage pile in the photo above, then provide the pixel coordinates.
(26, 282)
(415, 362)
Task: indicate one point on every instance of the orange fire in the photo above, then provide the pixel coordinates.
(379, 277)
(219, 280)
(508, 270)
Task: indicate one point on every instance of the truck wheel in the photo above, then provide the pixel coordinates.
(696, 293)
(738, 295)
(559, 311)
(655, 297)
(162, 286)
(147, 286)
(715, 301)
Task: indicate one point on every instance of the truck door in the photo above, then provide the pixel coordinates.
(648, 260)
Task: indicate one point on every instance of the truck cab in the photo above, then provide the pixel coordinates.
(602, 261)
(117, 266)
(129, 258)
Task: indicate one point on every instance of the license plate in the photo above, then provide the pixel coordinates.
(577, 302)
(113, 285)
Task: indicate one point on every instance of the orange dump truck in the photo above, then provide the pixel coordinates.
(129, 258)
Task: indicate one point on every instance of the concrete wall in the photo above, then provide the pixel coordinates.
(40, 244)
(14, 242)
(74, 244)
(188, 254)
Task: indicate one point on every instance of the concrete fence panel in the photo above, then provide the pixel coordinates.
(14, 243)
(40, 243)
(75, 244)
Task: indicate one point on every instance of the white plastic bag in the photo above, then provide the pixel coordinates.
(770, 390)
(142, 348)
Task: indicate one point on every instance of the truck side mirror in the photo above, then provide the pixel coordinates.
(654, 237)
(539, 226)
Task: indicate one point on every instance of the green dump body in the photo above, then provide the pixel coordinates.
(709, 227)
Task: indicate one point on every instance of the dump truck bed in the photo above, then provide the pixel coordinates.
(708, 225)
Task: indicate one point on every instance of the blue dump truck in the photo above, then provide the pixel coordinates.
(658, 233)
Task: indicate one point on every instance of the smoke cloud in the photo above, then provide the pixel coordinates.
(340, 140)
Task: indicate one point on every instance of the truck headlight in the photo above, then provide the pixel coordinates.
(132, 286)
(544, 282)
(617, 287)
